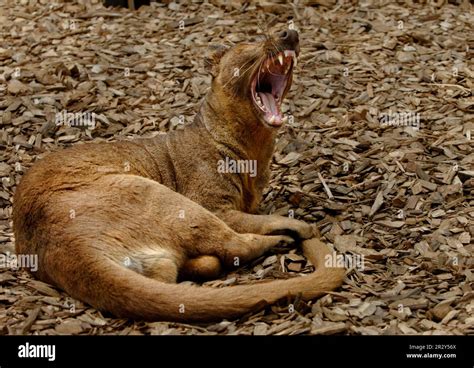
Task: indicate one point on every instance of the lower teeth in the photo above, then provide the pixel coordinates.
(259, 102)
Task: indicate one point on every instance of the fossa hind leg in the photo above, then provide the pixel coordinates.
(241, 249)
(188, 234)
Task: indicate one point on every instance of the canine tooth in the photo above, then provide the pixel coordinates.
(280, 58)
(272, 119)
(291, 53)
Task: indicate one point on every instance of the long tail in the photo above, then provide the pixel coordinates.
(125, 293)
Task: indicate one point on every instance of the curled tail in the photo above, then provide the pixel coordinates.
(124, 293)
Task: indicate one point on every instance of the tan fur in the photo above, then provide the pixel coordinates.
(116, 224)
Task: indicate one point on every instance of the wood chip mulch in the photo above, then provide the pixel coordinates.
(397, 195)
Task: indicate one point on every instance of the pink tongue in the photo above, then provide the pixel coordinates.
(269, 102)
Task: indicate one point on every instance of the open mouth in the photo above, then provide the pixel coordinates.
(269, 85)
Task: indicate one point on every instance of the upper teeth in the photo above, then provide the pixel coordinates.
(280, 58)
(292, 53)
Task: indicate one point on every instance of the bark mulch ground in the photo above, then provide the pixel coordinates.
(377, 152)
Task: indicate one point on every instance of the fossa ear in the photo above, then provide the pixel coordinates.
(212, 60)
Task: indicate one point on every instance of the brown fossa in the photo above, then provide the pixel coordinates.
(116, 225)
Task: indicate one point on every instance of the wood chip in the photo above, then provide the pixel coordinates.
(376, 154)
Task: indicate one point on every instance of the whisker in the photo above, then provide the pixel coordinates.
(250, 67)
(258, 74)
(241, 74)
